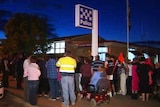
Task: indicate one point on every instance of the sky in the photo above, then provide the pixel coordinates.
(144, 16)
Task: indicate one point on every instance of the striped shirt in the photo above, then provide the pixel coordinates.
(96, 64)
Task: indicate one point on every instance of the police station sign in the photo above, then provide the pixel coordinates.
(83, 16)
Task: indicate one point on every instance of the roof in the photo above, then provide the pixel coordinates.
(154, 44)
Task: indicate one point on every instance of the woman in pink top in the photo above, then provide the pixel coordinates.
(33, 80)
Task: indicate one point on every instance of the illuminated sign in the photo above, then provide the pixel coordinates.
(83, 16)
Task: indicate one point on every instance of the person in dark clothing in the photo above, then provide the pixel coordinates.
(19, 70)
(5, 70)
(78, 74)
(111, 73)
(96, 63)
(157, 80)
(86, 73)
(145, 77)
(43, 80)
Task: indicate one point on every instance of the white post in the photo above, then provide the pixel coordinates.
(128, 22)
(95, 34)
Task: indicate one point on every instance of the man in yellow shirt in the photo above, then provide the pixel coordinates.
(67, 66)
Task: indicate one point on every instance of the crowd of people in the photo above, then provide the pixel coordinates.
(66, 77)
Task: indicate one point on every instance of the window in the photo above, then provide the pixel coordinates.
(57, 47)
(102, 52)
(130, 54)
(156, 59)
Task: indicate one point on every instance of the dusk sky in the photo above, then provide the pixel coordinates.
(145, 16)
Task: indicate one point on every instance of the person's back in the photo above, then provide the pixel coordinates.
(51, 68)
(96, 63)
(67, 66)
(86, 68)
(86, 73)
(158, 76)
(33, 80)
(102, 84)
(97, 76)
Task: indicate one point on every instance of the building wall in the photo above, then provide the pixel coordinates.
(81, 46)
(117, 49)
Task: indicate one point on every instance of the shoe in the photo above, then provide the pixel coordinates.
(123, 94)
(63, 105)
(110, 94)
(52, 99)
(39, 95)
(58, 98)
(120, 92)
(140, 96)
(73, 103)
(27, 105)
(45, 95)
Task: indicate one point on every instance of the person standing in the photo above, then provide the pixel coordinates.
(135, 79)
(43, 80)
(52, 75)
(25, 78)
(145, 78)
(78, 75)
(86, 73)
(111, 73)
(96, 63)
(19, 70)
(129, 78)
(5, 70)
(67, 66)
(122, 69)
(34, 73)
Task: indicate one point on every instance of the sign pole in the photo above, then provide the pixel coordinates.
(87, 17)
(95, 34)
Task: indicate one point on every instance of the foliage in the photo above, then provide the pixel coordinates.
(26, 33)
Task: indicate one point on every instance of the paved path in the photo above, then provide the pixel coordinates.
(116, 101)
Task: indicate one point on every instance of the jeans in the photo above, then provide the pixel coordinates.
(26, 89)
(33, 87)
(68, 88)
(78, 82)
(54, 88)
(43, 86)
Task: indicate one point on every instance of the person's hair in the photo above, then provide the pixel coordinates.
(87, 59)
(68, 53)
(142, 59)
(97, 57)
(107, 55)
(33, 59)
(101, 68)
(51, 56)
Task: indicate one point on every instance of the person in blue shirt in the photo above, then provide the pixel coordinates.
(97, 76)
(52, 75)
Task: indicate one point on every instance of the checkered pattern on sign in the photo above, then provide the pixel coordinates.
(86, 14)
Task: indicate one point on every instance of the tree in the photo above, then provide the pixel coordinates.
(26, 33)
